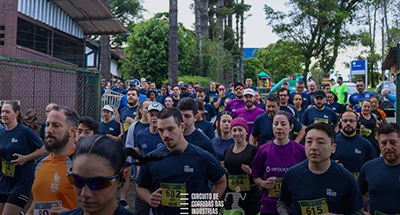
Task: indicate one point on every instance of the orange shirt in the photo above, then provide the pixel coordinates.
(51, 182)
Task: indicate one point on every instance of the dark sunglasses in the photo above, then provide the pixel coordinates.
(239, 88)
(96, 183)
(360, 85)
(221, 89)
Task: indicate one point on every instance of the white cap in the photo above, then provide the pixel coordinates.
(154, 106)
(249, 91)
(142, 79)
(109, 108)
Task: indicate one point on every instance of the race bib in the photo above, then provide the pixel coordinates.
(274, 192)
(318, 120)
(171, 194)
(356, 174)
(7, 168)
(381, 213)
(241, 182)
(126, 126)
(314, 207)
(44, 208)
(365, 132)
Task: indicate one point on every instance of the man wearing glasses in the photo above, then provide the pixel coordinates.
(237, 102)
(357, 97)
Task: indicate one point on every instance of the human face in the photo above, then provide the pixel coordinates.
(48, 108)
(143, 110)
(360, 86)
(349, 123)
(299, 88)
(212, 86)
(374, 103)
(390, 147)
(107, 115)
(366, 107)
(58, 131)
(249, 101)
(330, 98)
(132, 97)
(249, 82)
(200, 95)
(284, 97)
(327, 89)
(176, 91)
(168, 102)
(281, 127)
(164, 91)
(8, 115)
(285, 85)
(188, 118)
(319, 147)
(239, 134)
(319, 102)
(95, 201)
(339, 81)
(271, 107)
(297, 100)
(225, 123)
(170, 132)
(239, 91)
(311, 86)
(152, 86)
(152, 116)
(257, 96)
(83, 131)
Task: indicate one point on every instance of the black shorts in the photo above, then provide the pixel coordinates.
(14, 199)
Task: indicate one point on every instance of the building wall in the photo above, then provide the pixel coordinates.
(8, 19)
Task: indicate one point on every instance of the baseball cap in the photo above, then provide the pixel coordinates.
(249, 91)
(142, 79)
(154, 106)
(184, 86)
(109, 108)
(238, 84)
(319, 93)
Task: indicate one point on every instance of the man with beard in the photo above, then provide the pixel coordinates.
(380, 177)
(285, 106)
(352, 150)
(128, 113)
(237, 102)
(356, 98)
(263, 124)
(51, 183)
(318, 113)
(249, 112)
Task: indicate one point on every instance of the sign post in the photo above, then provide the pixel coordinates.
(359, 67)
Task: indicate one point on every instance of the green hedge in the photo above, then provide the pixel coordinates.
(188, 79)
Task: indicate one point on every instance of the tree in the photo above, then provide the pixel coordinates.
(252, 66)
(147, 53)
(173, 42)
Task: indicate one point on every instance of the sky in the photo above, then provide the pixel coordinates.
(257, 33)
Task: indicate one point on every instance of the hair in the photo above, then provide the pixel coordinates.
(273, 98)
(340, 78)
(90, 123)
(139, 115)
(16, 107)
(134, 89)
(365, 100)
(388, 128)
(284, 90)
(171, 111)
(325, 128)
(287, 115)
(335, 98)
(297, 94)
(201, 107)
(72, 118)
(359, 80)
(175, 85)
(217, 125)
(188, 103)
(261, 98)
(300, 83)
(326, 85)
(200, 89)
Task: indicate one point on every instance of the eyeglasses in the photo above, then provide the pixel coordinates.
(349, 120)
(360, 85)
(96, 183)
(283, 95)
(239, 88)
(221, 89)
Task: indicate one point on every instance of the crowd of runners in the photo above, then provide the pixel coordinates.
(307, 150)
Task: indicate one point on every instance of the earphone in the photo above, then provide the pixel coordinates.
(357, 119)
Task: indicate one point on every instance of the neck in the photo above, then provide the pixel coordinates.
(181, 145)
(226, 136)
(132, 105)
(69, 147)
(330, 102)
(11, 125)
(109, 209)
(281, 142)
(189, 130)
(283, 104)
(319, 168)
(250, 108)
(177, 97)
(144, 120)
(107, 120)
(153, 129)
(239, 146)
(298, 108)
(392, 163)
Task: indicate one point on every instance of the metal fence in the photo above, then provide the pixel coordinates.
(37, 84)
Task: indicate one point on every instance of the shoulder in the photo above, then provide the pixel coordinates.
(297, 169)
(372, 164)
(262, 116)
(340, 170)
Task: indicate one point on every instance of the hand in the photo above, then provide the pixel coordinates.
(58, 210)
(20, 161)
(362, 127)
(246, 169)
(129, 120)
(367, 213)
(222, 164)
(385, 92)
(155, 198)
(269, 183)
(221, 94)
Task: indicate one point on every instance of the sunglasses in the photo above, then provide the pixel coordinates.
(96, 183)
(221, 89)
(239, 88)
(360, 85)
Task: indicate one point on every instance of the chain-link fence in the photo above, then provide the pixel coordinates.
(37, 84)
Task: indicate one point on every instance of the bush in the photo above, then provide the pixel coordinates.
(189, 79)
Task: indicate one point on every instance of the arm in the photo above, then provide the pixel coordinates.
(220, 186)
(30, 210)
(346, 94)
(22, 159)
(252, 140)
(283, 208)
(301, 134)
(153, 199)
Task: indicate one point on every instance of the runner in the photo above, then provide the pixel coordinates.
(42, 133)
(87, 127)
(283, 94)
(375, 109)
(109, 126)
(273, 159)
(168, 102)
(201, 123)
(238, 101)
(380, 177)
(298, 104)
(369, 125)
(331, 102)
(237, 161)
(319, 185)
(193, 168)
(19, 147)
(96, 175)
(356, 98)
(224, 139)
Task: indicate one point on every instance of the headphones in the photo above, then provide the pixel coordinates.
(357, 119)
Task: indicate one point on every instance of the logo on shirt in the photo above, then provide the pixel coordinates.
(329, 192)
(111, 129)
(160, 145)
(144, 145)
(13, 140)
(276, 169)
(54, 186)
(325, 116)
(304, 99)
(187, 168)
(357, 151)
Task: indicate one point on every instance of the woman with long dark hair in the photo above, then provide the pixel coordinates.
(224, 138)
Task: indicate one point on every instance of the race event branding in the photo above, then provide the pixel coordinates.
(201, 203)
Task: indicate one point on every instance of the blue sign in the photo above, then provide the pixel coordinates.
(358, 67)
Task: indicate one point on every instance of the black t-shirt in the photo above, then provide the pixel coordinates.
(79, 211)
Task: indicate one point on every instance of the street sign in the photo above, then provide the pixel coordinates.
(358, 67)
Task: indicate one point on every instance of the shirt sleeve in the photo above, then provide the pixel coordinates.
(296, 125)
(256, 129)
(284, 195)
(144, 178)
(304, 119)
(362, 181)
(130, 141)
(34, 140)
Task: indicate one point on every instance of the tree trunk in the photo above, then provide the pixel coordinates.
(199, 37)
(173, 43)
(237, 57)
(211, 21)
(105, 59)
(241, 64)
(220, 33)
(385, 6)
(204, 19)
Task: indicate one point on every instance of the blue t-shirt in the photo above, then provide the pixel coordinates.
(221, 104)
(338, 108)
(356, 98)
(199, 139)
(206, 127)
(213, 95)
(113, 127)
(290, 109)
(261, 105)
(352, 152)
(21, 140)
(147, 142)
(42, 133)
(79, 211)
(263, 128)
(220, 146)
(194, 167)
(124, 101)
(306, 100)
(382, 184)
(139, 127)
(325, 115)
(161, 99)
(125, 112)
(336, 186)
(209, 112)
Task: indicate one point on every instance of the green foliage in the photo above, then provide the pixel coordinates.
(252, 66)
(191, 79)
(147, 52)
